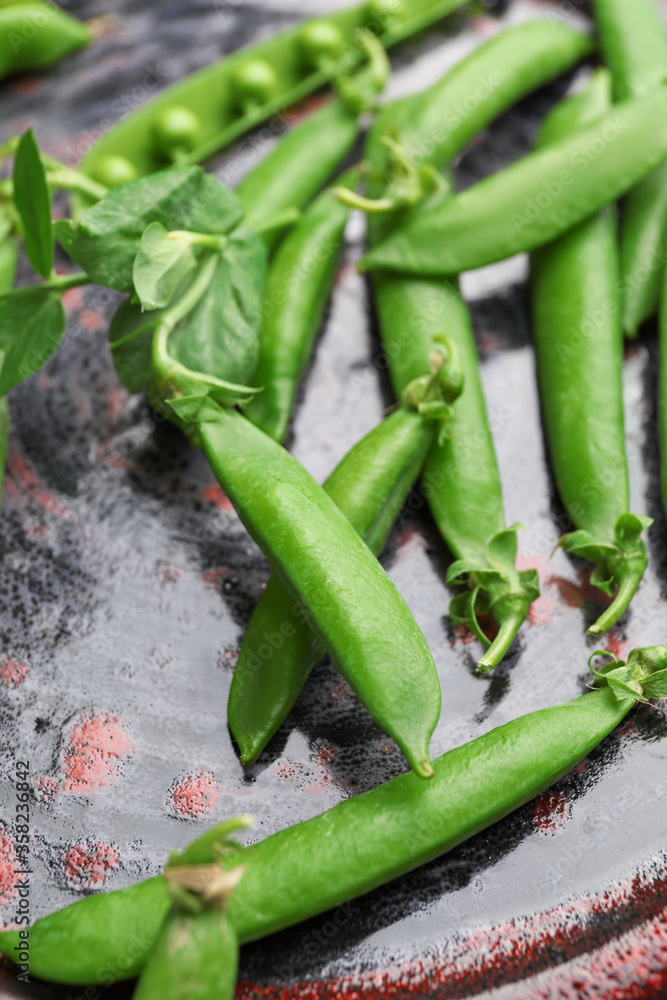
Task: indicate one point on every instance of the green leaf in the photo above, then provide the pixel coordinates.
(583, 543)
(32, 322)
(463, 611)
(107, 238)
(220, 337)
(628, 530)
(130, 339)
(656, 685)
(603, 578)
(33, 201)
(160, 266)
(503, 546)
(529, 580)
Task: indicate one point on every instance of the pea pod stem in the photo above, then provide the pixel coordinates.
(308, 868)
(580, 378)
(628, 580)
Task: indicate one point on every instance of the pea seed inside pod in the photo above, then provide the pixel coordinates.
(321, 43)
(176, 128)
(113, 170)
(254, 83)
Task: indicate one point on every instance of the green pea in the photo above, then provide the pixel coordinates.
(176, 128)
(254, 83)
(275, 73)
(322, 43)
(113, 170)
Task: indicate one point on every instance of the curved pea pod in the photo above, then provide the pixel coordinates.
(634, 45)
(113, 931)
(579, 349)
(34, 36)
(460, 476)
(533, 201)
(350, 601)
(435, 124)
(298, 285)
(309, 868)
(250, 85)
(279, 648)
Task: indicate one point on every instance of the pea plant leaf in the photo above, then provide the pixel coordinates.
(160, 266)
(130, 338)
(32, 322)
(107, 238)
(33, 202)
(220, 337)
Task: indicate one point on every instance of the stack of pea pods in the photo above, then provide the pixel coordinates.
(606, 141)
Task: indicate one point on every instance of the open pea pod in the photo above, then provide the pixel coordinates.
(211, 108)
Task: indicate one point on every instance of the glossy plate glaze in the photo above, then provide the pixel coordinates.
(127, 581)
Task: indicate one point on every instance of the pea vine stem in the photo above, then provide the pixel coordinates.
(164, 364)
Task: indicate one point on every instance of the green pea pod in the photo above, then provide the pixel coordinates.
(533, 201)
(279, 648)
(195, 957)
(297, 289)
(34, 36)
(114, 930)
(247, 87)
(634, 45)
(579, 348)
(308, 868)
(435, 124)
(460, 477)
(290, 175)
(350, 601)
